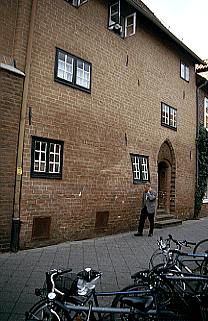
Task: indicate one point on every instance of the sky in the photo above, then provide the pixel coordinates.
(186, 19)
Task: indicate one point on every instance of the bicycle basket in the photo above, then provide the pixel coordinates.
(66, 283)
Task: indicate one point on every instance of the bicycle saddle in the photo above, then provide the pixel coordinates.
(142, 304)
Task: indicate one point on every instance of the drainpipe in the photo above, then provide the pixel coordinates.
(197, 127)
(18, 179)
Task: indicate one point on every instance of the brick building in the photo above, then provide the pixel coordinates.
(202, 98)
(106, 100)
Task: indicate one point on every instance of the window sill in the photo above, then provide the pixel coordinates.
(67, 83)
(170, 127)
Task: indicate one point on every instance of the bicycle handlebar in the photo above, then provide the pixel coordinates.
(180, 243)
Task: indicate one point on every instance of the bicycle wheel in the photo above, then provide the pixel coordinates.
(157, 259)
(42, 311)
(117, 302)
(202, 247)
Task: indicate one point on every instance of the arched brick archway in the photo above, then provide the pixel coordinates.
(166, 177)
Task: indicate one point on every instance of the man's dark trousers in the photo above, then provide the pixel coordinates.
(143, 216)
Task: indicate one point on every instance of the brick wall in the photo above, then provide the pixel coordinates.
(8, 9)
(122, 115)
(10, 103)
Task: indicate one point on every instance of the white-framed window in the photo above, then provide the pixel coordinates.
(72, 71)
(140, 168)
(114, 14)
(130, 25)
(124, 25)
(205, 199)
(54, 158)
(76, 3)
(65, 66)
(83, 74)
(168, 116)
(46, 157)
(184, 71)
(206, 112)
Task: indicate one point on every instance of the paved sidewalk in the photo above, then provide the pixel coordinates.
(117, 256)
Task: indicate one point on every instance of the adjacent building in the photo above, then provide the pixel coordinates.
(202, 102)
(98, 98)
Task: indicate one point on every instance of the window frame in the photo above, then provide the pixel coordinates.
(119, 25)
(169, 108)
(134, 25)
(186, 67)
(46, 173)
(72, 83)
(141, 179)
(205, 112)
(205, 198)
(112, 23)
(76, 3)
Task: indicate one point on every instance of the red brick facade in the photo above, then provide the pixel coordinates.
(121, 116)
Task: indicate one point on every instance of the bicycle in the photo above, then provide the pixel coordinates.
(202, 247)
(172, 265)
(139, 308)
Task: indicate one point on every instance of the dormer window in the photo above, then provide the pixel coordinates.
(76, 3)
(121, 19)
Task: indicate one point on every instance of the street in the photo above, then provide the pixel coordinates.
(116, 256)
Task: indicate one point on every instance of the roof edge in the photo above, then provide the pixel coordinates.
(165, 30)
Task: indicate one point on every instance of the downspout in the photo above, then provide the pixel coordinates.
(18, 179)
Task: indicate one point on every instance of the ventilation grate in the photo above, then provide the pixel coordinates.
(101, 219)
(41, 228)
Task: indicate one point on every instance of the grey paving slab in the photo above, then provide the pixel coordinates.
(117, 256)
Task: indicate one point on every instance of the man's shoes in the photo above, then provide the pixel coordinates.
(138, 234)
(150, 234)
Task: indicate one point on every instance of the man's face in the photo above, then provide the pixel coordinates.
(146, 188)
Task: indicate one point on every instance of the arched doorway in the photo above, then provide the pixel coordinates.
(166, 178)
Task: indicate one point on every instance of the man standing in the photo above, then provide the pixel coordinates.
(148, 209)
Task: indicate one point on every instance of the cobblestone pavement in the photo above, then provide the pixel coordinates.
(117, 256)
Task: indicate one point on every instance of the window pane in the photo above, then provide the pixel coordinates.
(130, 25)
(136, 169)
(80, 64)
(61, 56)
(42, 167)
(83, 75)
(114, 14)
(36, 155)
(60, 73)
(51, 158)
(206, 112)
(182, 70)
(206, 192)
(65, 66)
(37, 145)
(54, 163)
(187, 73)
(43, 146)
(36, 166)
